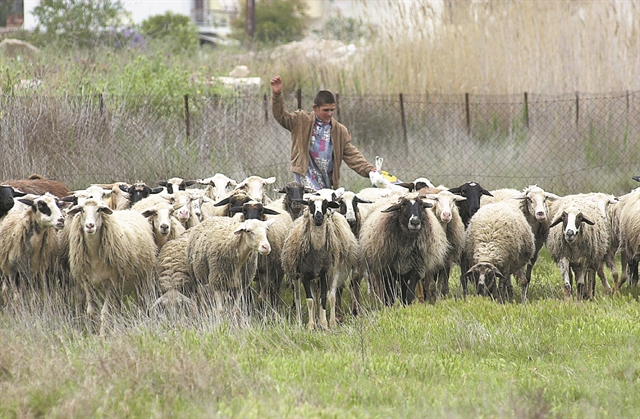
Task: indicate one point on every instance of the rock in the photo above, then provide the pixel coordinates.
(14, 47)
(240, 71)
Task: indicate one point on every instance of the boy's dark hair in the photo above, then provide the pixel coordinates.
(324, 97)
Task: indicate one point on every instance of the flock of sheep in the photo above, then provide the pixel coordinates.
(228, 244)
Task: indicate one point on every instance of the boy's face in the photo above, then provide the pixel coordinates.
(324, 112)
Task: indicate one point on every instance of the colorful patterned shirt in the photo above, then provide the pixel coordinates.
(318, 175)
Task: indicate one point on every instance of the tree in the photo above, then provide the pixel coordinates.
(277, 21)
(176, 31)
(78, 22)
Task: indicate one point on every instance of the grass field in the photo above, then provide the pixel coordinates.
(457, 358)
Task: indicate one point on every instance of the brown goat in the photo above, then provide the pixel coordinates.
(39, 185)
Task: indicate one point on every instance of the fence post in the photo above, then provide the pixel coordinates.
(186, 115)
(299, 97)
(526, 109)
(404, 121)
(338, 106)
(577, 108)
(466, 101)
(266, 108)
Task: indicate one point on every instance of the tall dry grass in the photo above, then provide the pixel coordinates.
(490, 47)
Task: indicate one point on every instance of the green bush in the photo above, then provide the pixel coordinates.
(175, 31)
(78, 23)
(277, 21)
(343, 29)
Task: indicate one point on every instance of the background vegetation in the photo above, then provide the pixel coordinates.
(457, 358)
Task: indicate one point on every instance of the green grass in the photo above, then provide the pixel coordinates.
(458, 358)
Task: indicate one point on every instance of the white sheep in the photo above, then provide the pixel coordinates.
(222, 255)
(446, 211)
(218, 186)
(255, 187)
(319, 241)
(627, 212)
(533, 201)
(581, 244)
(164, 225)
(29, 246)
(402, 242)
(172, 271)
(111, 254)
(499, 243)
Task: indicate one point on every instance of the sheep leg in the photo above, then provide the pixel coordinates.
(603, 279)
(104, 315)
(633, 270)
(332, 297)
(582, 292)
(324, 285)
(464, 267)
(306, 282)
(624, 273)
(430, 289)
(354, 287)
(565, 271)
(297, 302)
(408, 284)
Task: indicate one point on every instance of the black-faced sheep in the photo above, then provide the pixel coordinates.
(581, 244)
(499, 243)
(319, 242)
(290, 202)
(111, 254)
(138, 191)
(403, 242)
(7, 193)
(222, 255)
(176, 184)
(39, 185)
(29, 246)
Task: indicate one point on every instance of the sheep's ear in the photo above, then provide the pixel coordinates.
(149, 213)
(557, 221)
(455, 190)
(308, 190)
(551, 196)
(269, 222)
(497, 272)
(427, 204)
(459, 198)
(162, 183)
(269, 211)
(519, 196)
(362, 201)
(190, 182)
(223, 202)
(333, 204)
(105, 209)
(270, 180)
(156, 190)
(587, 220)
(379, 161)
(393, 208)
(74, 210)
(26, 201)
(486, 192)
(636, 178)
(409, 185)
(282, 190)
(124, 188)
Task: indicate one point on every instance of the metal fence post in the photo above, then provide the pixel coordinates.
(577, 108)
(299, 97)
(526, 109)
(404, 121)
(266, 108)
(468, 110)
(186, 116)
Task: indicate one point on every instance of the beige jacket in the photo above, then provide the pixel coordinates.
(300, 123)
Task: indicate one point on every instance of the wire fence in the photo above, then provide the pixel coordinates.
(564, 143)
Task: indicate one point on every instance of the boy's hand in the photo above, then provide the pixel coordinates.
(276, 85)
